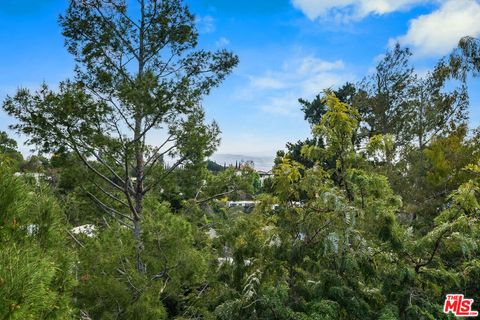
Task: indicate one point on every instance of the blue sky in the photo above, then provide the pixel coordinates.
(288, 49)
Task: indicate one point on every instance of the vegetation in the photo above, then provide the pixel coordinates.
(375, 216)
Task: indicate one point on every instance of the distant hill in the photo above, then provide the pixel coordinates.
(214, 167)
(260, 162)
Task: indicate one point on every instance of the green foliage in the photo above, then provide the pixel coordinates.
(214, 167)
(7, 144)
(463, 61)
(373, 217)
(287, 174)
(383, 96)
(9, 152)
(315, 109)
(337, 244)
(110, 286)
(36, 272)
(139, 72)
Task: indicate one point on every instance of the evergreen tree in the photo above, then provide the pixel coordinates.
(137, 72)
(36, 261)
(384, 97)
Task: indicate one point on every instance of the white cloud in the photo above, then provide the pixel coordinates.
(267, 82)
(353, 9)
(222, 42)
(283, 105)
(302, 77)
(205, 24)
(437, 33)
(311, 65)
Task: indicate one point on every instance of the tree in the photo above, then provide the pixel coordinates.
(383, 98)
(313, 112)
(294, 151)
(315, 109)
(465, 59)
(434, 172)
(314, 258)
(342, 250)
(397, 101)
(138, 75)
(336, 129)
(432, 109)
(7, 144)
(214, 167)
(111, 287)
(36, 261)
(8, 151)
(35, 163)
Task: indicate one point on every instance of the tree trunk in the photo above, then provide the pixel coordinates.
(139, 156)
(139, 175)
(137, 232)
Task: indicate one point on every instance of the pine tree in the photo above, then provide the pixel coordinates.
(36, 261)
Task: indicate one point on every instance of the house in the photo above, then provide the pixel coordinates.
(264, 175)
(86, 229)
(36, 176)
(243, 204)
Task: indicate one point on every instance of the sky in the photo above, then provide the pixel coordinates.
(288, 49)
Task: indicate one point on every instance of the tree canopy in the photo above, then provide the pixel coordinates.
(121, 214)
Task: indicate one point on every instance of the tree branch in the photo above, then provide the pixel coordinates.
(163, 176)
(112, 27)
(432, 255)
(108, 210)
(215, 196)
(90, 167)
(75, 239)
(110, 195)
